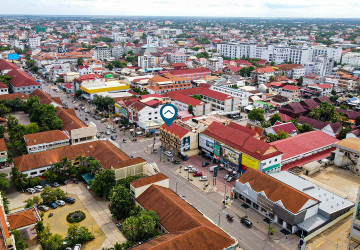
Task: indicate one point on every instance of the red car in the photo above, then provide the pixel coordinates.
(197, 174)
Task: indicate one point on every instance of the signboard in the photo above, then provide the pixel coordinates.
(249, 162)
(13, 56)
(185, 145)
(124, 113)
(215, 172)
(230, 155)
(206, 143)
(217, 150)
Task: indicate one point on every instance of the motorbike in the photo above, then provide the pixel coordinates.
(229, 217)
(51, 214)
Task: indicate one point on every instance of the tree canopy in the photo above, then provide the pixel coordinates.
(257, 115)
(326, 112)
(121, 202)
(103, 182)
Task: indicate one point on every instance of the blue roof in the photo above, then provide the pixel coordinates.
(356, 72)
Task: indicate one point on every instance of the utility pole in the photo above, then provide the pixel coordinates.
(219, 219)
(225, 194)
(176, 187)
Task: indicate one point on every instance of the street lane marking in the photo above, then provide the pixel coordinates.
(320, 244)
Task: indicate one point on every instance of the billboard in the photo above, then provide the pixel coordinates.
(13, 56)
(124, 113)
(230, 155)
(249, 162)
(185, 145)
(206, 143)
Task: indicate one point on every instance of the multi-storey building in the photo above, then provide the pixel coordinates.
(46, 140)
(102, 52)
(242, 95)
(323, 65)
(351, 58)
(34, 42)
(147, 61)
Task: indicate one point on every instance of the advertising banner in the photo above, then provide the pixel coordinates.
(249, 162)
(206, 143)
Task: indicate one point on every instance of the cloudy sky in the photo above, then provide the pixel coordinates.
(233, 8)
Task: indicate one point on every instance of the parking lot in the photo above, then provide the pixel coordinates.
(196, 161)
(345, 184)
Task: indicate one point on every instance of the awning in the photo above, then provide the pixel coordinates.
(87, 177)
(249, 107)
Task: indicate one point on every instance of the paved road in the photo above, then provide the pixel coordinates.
(208, 203)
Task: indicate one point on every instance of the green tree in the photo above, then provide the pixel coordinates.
(19, 179)
(4, 183)
(50, 175)
(54, 242)
(333, 92)
(246, 71)
(305, 128)
(35, 181)
(326, 112)
(78, 93)
(342, 106)
(191, 109)
(45, 116)
(50, 195)
(31, 104)
(30, 202)
(3, 109)
(257, 115)
(271, 78)
(357, 120)
(103, 182)
(125, 182)
(141, 227)
(276, 117)
(300, 81)
(279, 136)
(2, 131)
(80, 61)
(121, 202)
(272, 63)
(19, 244)
(103, 103)
(343, 133)
(78, 234)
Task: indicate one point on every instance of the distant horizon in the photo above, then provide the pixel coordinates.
(244, 17)
(187, 8)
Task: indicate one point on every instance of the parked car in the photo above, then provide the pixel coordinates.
(31, 190)
(193, 170)
(86, 119)
(204, 164)
(75, 180)
(77, 247)
(176, 162)
(226, 176)
(246, 222)
(55, 184)
(231, 178)
(39, 188)
(47, 185)
(113, 130)
(60, 203)
(53, 205)
(43, 208)
(113, 137)
(203, 178)
(188, 167)
(168, 153)
(76, 108)
(124, 140)
(69, 200)
(63, 182)
(134, 139)
(107, 126)
(212, 168)
(196, 174)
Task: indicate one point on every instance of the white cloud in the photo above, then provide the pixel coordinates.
(236, 8)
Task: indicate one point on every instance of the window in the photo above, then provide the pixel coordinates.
(149, 119)
(33, 173)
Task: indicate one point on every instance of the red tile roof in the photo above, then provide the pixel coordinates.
(45, 137)
(285, 127)
(186, 99)
(190, 71)
(22, 218)
(303, 143)
(175, 129)
(3, 86)
(2, 145)
(188, 228)
(284, 118)
(201, 91)
(19, 78)
(6, 65)
(241, 141)
(290, 87)
(148, 180)
(275, 190)
(12, 96)
(3, 223)
(242, 129)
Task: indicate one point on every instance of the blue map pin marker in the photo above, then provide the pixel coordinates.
(168, 113)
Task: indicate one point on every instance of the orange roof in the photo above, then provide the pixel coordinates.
(187, 227)
(275, 190)
(129, 162)
(3, 223)
(103, 151)
(148, 180)
(69, 119)
(45, 137)
(22, 218)
(2, 145)
(12, 96)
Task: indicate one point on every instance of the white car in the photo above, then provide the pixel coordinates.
(107, 132)
(77, 247)
(193, 170)
(108, 126)
(187, 168)
(168, 153)
(226, 176)
(203, 178)
(39, 188)
(60, 203)
(31, 190)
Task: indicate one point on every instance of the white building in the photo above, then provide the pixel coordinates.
(177, 57)
(167, 32)
(323, 65)
(351, 58)
(238, 93)
(117, 51)
(147, 61)
(46, 140)
(34, 42)
(216, 63)
(101, 52)
(347, 154)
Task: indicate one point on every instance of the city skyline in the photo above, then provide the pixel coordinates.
(212, 8)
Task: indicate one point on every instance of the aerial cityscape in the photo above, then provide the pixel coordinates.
(189, 131)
